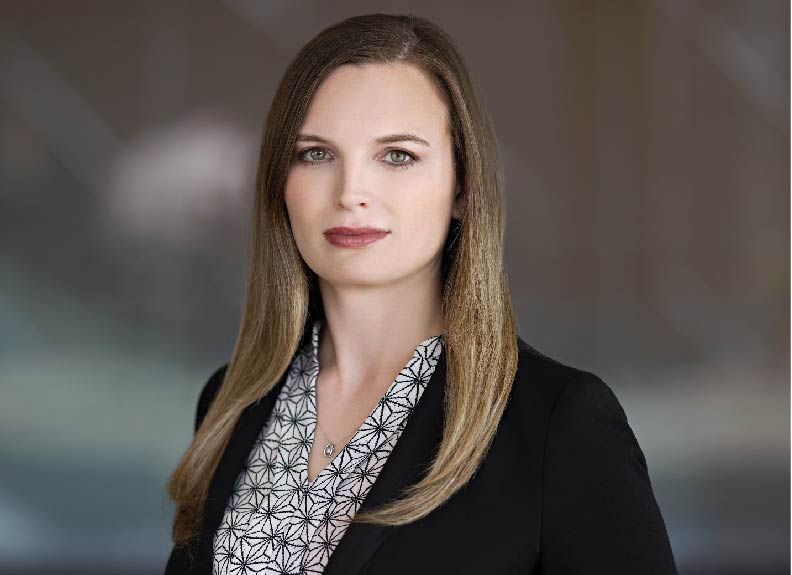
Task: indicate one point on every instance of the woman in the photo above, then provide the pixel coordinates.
(377, 251)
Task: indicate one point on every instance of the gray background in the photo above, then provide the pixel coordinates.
(646, 152)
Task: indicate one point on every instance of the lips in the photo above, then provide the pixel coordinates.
(355, 231)
(345, 237)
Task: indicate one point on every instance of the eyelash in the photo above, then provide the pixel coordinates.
(299, 156)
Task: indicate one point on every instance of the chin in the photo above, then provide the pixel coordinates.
(357, 274)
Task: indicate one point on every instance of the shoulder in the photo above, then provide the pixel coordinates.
(587, 419)
(584, 421)
(538, 374)
(208, 393)
(575, 404)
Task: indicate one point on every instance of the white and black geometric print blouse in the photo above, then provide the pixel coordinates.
(275, 522)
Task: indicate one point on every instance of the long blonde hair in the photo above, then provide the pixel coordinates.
(282, 297)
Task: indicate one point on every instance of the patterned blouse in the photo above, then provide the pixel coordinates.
(275, 521)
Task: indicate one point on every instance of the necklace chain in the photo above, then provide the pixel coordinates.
(331, 445)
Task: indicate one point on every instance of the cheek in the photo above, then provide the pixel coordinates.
(298, 197)
(299, 211)
(425, 212)
(292, 194)
(308, 190)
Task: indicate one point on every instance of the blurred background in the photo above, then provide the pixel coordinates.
(646, 157)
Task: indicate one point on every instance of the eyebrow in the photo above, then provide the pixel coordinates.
(389, 139)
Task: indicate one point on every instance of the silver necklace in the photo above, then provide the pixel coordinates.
(329, 449)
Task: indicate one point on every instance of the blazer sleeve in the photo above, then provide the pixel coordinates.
(599, 513)
(208, 394)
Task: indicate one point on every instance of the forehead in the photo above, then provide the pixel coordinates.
(365, 101)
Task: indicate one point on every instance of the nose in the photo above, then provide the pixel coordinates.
(354, 185)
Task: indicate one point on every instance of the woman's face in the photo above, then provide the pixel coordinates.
(342, 176)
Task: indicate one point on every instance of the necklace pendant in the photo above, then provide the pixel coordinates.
(328, 450)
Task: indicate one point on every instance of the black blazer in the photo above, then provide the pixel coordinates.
(564, 488)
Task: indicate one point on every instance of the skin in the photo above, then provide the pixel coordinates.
(380, 300)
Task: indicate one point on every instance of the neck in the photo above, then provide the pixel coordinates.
(370, 333)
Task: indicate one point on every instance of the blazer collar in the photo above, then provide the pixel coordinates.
(405, 465)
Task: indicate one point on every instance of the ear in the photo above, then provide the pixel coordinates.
(459, 204)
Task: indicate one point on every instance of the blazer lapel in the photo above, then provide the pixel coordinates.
(405, 465)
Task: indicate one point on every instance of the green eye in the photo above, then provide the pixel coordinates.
(306, 156)
(310, 153)
(407, 159)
